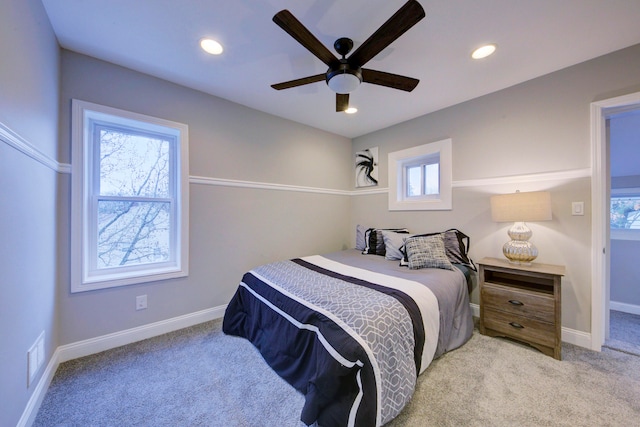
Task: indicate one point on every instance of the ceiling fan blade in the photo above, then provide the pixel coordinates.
(405, 18)
(299, 82)
(389, 80)
(342, 102)
(285, 20)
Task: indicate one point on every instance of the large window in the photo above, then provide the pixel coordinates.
(129, 198)
(420, 177)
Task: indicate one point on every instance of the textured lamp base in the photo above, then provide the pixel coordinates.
(519, 250)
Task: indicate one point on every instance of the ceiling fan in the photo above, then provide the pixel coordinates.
(345, 75)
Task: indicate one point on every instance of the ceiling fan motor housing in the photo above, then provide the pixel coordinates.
(343, 46)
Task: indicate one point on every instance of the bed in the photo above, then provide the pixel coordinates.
(352, 332)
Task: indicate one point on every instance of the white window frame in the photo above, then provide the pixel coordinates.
(399, 200)
(624, 233)
(84, 275)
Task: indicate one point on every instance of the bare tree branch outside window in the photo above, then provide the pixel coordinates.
(134, 207)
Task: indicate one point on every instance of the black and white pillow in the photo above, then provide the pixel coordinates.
(375, 241)
(456, 243)
(427, 252)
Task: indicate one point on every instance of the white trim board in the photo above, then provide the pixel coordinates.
(14, 140)
(514, 179)
(519, 179)
(600, 243)
(107, 342)
(624, 307)
(221, 182)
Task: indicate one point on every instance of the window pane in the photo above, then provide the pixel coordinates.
(414, 181)
(432, 178)
(131, 233)
(133, 164)
(625, 212)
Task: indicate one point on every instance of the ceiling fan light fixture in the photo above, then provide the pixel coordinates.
(351, 110)
(344, 81)
(211, 46)
(483, 51)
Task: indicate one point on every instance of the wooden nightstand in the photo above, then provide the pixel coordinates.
(522, 302)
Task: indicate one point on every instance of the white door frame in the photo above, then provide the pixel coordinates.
(600, 112)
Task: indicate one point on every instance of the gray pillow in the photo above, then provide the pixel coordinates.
(393, 243)
(360, 242)
(427, 252)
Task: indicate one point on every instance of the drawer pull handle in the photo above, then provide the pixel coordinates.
(516, 325)
(515, 302)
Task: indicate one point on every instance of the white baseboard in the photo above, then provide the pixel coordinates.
(107, 342)
(624, 307)
(117, 339)
(475, 308)
(579, 338)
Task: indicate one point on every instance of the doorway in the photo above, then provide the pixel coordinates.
(624, 241)
(601, 113)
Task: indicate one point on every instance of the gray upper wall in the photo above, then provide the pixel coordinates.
(232, 229)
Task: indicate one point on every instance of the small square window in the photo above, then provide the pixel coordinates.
(420, 177)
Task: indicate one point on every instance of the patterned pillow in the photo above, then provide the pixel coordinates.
(456, 246)
(427, 252)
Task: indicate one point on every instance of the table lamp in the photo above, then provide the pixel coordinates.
(520, 208)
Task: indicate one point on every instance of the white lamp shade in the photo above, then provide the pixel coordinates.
(344, 83)
(521, 207)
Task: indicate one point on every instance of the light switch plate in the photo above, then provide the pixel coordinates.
(577, 208)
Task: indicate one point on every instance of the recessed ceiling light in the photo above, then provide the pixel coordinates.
(483, 51)
(351, 110)
(211, 46)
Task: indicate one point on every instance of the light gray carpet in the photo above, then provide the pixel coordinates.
(200, 377)
(624, 334)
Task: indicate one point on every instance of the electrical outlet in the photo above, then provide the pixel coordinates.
(141, 302)
(35, 358)
(32, 364)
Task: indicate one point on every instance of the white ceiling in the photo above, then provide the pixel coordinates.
(160, 38)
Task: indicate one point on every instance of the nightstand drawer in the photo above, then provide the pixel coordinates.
(521, 328)
(530, 304)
